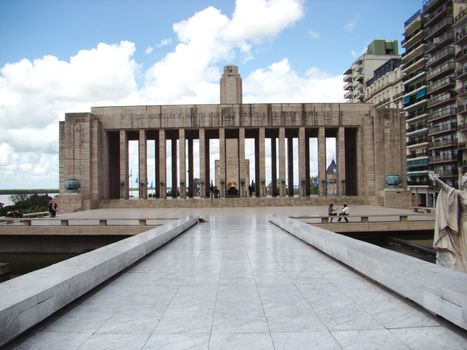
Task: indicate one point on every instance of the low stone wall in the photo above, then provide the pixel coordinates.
(29, 299)
(435, 288)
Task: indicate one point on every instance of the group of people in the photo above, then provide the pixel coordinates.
(343, 213)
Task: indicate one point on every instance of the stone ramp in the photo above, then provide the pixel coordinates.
(29, 299)
(437, 289)
(239, 282)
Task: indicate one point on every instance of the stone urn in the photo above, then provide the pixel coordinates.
(72, 185)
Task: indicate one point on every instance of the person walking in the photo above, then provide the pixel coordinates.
(331, 212)
(344, 213)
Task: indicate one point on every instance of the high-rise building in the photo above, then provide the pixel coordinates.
(377, 53)
(414, 106)
(429, 100)
(460, 41)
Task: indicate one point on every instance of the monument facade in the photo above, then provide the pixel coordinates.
(370, 145)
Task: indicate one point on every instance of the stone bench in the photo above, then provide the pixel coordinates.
(435, 288)
(422, 210)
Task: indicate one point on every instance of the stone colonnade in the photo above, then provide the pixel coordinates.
(182, 160)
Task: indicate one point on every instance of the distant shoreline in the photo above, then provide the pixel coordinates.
(30, 191)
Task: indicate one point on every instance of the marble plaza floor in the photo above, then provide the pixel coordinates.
(239, 282)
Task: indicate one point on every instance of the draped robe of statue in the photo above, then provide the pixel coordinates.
(450, 238)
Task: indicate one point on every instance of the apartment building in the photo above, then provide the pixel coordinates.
(429, 100)
(460, 41)
(385, 89)
(377, 53)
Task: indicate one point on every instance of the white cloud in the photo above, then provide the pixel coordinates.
(313, 35)
(35, 94)
(350, 24)
(165, 42)
(148, 50)
(280, 83)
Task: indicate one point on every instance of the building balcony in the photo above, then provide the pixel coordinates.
(445, 68)
(444, 54)
(419, 183)
(417, 163)
(437, 13)
(413, 40)
(412, 21)
(442, 128)
(441, 100)
(348, 95)
(417, 141)
(438, 27)
(415, 105)
(461, 73)
(462, 91)
(413, 55)
(348, 77)
(447, 173)
(441, 84)
(442, 113)
(429, 4)
(417, 129)
(438, 42)
(460, 15)
(443, 144)
(461, 56)
(419, 64)
(416, 115)
(348, 86)
(445, 158)
(409, 78)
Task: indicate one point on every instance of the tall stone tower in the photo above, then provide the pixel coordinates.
(231, 86)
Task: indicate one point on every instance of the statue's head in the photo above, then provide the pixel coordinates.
(464, 181)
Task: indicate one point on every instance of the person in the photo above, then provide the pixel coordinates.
(331, 212)
(211, 190)
(344, 213)
(52, 209)
(253, 188)
(450, 237)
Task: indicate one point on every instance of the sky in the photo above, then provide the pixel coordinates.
(59, 56)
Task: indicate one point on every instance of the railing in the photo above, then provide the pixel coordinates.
(441, 39)
(442, 68)
(440, 99)
(416, 127)
(442, 127)
(414, 141)
(443, 158)
(441, 24)
(443, 112)
(412, 18)
(440, 54)
(443, 143)
(440, 84)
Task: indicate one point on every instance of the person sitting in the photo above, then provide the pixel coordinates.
(343, 213)
(331, 212)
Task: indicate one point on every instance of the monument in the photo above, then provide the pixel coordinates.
(370, 145)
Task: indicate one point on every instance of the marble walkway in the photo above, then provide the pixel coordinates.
(239, 282)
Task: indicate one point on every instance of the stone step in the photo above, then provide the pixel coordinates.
(229, 202)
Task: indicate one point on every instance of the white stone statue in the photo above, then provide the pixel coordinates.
(450, 238)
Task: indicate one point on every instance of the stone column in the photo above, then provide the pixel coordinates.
(191, 171)
(143, 161)
(124, 185)
(262, 163)
(222, 162)
(282, 162)
(341, 161)
(174, 168)
(162, 165)
(302, 161)
(273, 166)
(322, 161)
(290, 166)
(181, 136)
(202, 162)
(241, 163)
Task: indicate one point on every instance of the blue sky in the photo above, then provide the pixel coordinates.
(62, 56)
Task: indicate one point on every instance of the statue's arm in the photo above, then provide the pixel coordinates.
(435, 178)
